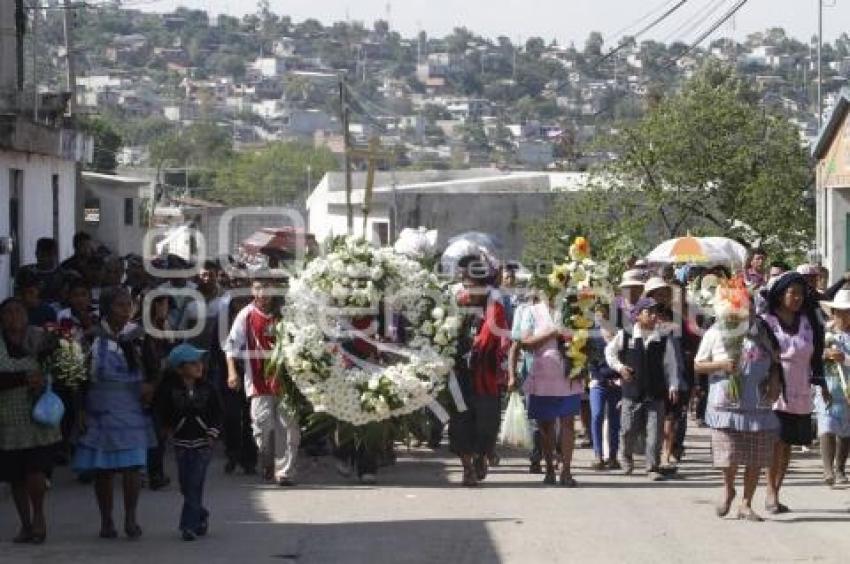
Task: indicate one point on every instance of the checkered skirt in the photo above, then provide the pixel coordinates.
(743, 448)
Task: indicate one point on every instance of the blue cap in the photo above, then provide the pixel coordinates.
(184, 353)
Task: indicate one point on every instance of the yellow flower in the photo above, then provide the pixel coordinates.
(580, 249)
(559, 277)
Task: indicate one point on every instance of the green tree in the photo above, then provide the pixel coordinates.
(107, 142)
(276, 174)
(710, 160)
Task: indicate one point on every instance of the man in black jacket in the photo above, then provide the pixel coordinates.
(650, 372)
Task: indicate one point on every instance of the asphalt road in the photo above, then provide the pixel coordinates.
(418, 513)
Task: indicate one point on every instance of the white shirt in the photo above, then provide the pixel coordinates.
(671, 363)
(236, 346)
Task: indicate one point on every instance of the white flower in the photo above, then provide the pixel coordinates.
(438, 313)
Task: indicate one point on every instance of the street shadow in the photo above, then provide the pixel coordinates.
(397, 541)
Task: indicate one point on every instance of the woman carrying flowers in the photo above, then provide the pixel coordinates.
(553, 397)
(740, 355)
(482, 346)
(834, 418)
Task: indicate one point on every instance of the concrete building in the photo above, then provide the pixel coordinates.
(116, 210)
(450, 201)
(832, 189)
(37, 164)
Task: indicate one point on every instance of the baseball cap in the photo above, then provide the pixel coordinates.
(184, 353)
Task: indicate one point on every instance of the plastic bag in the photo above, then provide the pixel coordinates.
(49, 409)
(516, 430)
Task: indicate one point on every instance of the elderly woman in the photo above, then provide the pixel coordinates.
(791, 314)
(741, 356)
(482, 347)
(117, 432)
(26, 448)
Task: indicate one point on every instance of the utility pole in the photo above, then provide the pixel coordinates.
(35, 61)
(70, 77)
(820, 64)
(346, 142)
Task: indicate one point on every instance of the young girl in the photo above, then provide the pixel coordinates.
(834, 418)
(188, 407)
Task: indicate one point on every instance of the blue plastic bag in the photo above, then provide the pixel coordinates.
(49, 409)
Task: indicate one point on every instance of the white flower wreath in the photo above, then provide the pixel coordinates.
(355, 279)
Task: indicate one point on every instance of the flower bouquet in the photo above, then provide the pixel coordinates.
(63, 359)
(836, 368)
(584, 282)
(732, 309)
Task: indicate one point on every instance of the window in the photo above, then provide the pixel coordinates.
(381, 233)
(55, 186)
(16, 192)
(128, 211)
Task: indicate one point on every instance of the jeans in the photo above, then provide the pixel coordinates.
(604, 399)
(638, 416)
(192, 472)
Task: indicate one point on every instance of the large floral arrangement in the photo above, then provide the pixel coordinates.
(732, 309)
(63, 358)
(584, 282)
(356, 281)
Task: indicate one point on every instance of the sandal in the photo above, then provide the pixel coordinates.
(776, 508)
(722, 509)
(133, 531)
(749, 515)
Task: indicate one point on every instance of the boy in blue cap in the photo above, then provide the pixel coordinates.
(190, 411)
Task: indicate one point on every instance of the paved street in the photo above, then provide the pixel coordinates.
(418, 514)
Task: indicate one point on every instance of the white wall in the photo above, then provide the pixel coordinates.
(834, 249)
(37, 206)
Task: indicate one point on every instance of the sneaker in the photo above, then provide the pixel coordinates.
(368, 479)
(188, 535)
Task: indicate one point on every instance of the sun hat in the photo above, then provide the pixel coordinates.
(654, 283)
(632, 278)
(184, 353)
(841, 301)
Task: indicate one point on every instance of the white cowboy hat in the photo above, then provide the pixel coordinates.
(654, 283)
(632, 278)
(841, 301)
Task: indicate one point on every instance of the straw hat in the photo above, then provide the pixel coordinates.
(654, 283)
(632, 279)
(841, 301)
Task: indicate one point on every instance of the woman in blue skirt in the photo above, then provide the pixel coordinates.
(116, 433)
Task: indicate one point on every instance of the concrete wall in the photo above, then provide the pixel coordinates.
(501, 214)
(36, 206)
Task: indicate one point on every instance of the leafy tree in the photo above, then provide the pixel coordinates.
(710, 160)
(107, 142)
(276, 174)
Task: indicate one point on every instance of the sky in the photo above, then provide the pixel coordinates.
(563, 20)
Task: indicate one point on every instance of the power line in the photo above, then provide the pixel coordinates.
(692, 23)
(726, 17)
(652, 12)
(644, 30)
